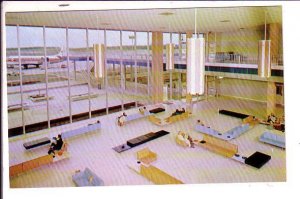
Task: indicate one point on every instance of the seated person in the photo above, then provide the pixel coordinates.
(143, 110)
(182, 110)
(98, 122)
(200, 122)
(279, 124)
(271, 118)
(57, 145)
(182, 136)
(122, 119)
(177, 112)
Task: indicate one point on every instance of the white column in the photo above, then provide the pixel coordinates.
(46, 74)
(88, 71)
(106, 74)
(195, 65)
(68, 62)
(135, 68)
(148, 65)
(21, 77)
(264, 58)
(122, 71)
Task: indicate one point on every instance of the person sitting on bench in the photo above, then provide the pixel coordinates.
(143, 110)
(178, 112)
(200, 122)
(272, 118)
(122, 119)
(98, 122)
(57, 145)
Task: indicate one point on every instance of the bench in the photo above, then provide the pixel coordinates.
(168, 120)
(39, 161)
(230, 150)
(134, 116)
(83, 96)
(36, 143)
(29, 165)
(146, 156)
(229, 135)
(233, 114)
(157, 110)
(17, 107)
(236, 131)
(158, 176)
(80, 131)
(273, 139)
(219, 146)
(140, 140)
(176, 118)
(86, 178)
(39, 97)
(154, 120)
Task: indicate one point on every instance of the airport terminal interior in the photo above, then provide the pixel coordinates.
(145, 96)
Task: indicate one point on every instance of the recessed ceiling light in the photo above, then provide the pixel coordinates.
(225, 21)
(64, 5)
(166, 13)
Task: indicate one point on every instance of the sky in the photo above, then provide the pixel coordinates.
(56, 37)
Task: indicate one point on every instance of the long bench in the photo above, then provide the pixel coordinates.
(39, 97)
(86, 178)
(140, 140)
(229, 135)
(224, 148)
(140, 115)
(17, 169)
(64, 135)
(83, 96)
(273, 139)
(158, 176)
(219, 146)
(80, 131)
(233, 114)
(168, 120)
(37, 143)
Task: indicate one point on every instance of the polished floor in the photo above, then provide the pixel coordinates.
(190, 165)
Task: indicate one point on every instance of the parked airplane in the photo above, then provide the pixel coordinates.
(33, 60)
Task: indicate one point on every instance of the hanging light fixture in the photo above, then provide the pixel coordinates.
(264, 55)
(99, 58)
(195, 63)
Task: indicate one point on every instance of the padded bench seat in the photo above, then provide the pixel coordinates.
(87, 178)
(233, 114)
(273, 139)
(157, 110)
(37, 143)
(80, 131)
(257, 159)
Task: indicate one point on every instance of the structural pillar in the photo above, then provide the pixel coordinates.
(271, 98)
(274, 36)
(157, 67)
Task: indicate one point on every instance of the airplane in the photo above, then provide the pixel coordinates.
(36, 61)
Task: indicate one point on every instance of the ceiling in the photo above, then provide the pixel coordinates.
(181, 20)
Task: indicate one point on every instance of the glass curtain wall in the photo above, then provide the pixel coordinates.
(57, 73)
(98, 103)
(113, 60)
(34, 76)
(79, 60)
(129, 62)
(143, 66)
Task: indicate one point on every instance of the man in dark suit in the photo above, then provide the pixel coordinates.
(56, 146)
